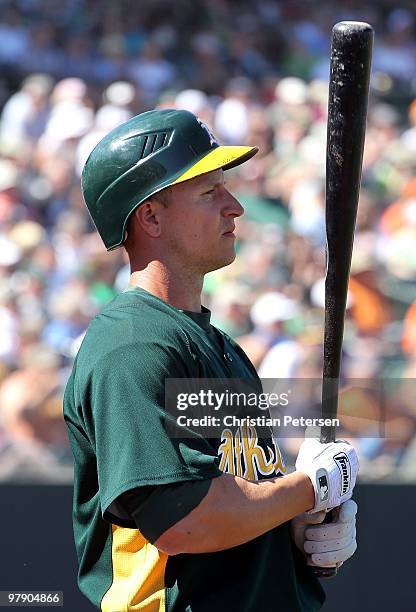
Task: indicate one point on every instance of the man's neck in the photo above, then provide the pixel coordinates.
(179, 289)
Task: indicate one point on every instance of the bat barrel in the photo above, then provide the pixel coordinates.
(347, 112)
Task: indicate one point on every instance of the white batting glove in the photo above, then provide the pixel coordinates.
(299, 524)
(333, 470)
(330, 544)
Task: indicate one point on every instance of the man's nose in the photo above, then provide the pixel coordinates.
(232, 206)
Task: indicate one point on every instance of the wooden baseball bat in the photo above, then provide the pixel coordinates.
(351, 49)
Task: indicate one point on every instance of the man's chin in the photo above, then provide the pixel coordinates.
(217, 265)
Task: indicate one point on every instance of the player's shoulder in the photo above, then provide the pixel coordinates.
(134, 319)
(142, 310)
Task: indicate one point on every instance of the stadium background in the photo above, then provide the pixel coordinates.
(256, 72)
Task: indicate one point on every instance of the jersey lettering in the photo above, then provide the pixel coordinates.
(242, 455)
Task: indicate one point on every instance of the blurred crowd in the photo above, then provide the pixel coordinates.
(256, 72)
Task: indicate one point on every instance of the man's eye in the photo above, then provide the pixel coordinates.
(210, 191)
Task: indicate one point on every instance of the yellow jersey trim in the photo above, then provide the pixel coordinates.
(138, 574)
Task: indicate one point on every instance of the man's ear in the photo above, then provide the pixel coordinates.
(148, 217)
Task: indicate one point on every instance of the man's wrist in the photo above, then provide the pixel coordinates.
(304, 481)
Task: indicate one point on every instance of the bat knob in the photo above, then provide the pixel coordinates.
(325, 572)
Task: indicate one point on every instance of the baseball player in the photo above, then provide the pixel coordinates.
(184, 523)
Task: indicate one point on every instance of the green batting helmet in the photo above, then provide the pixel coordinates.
(143, 156)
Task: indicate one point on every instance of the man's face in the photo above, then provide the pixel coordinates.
(198, 224)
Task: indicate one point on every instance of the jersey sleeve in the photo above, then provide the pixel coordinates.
(136, 440)
(155, 509)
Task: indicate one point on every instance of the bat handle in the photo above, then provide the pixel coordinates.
(325, 572)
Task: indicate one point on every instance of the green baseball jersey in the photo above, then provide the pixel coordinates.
(114, 407)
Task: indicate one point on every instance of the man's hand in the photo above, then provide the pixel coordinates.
(332, 469)
(327, 544)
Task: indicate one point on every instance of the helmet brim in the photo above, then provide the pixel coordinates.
(224, 157)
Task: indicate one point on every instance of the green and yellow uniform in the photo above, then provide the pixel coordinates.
(114, 407)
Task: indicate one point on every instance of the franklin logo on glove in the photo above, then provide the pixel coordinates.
(344, 467)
